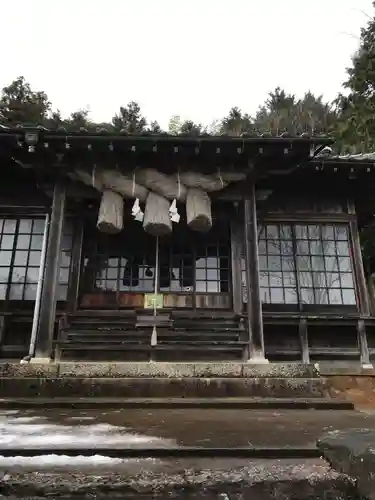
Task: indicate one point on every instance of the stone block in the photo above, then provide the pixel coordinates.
(123, 370)
(352, 452)
(209, 370)
(28, 370)
(343, 368)
(279, 370)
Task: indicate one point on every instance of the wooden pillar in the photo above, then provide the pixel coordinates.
(254, 304)
(359, 272)
(371, 292)
(44, 340)
(362, 341)
(304, 339)
(236, 237)
(75, 273)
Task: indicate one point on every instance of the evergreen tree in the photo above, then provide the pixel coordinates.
(20, 104)
(284, 112)
(130, 119)
(356, 127)
(236, 123)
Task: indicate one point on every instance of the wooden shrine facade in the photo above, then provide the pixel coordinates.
(90, 268)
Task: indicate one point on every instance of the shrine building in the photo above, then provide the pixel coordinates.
(118, 247)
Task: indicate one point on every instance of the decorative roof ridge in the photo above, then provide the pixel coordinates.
(327, 154)
(102, 132)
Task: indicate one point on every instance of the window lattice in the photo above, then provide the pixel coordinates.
(305, 263)
(21, 241)
(184, 265)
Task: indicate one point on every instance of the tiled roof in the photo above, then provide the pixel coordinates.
(327, 155)
(104, 133)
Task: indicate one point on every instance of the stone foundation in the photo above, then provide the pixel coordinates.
(164, 370)
(142, 387)
(335, 380)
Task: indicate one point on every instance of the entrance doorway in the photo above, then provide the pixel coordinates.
(189, 269)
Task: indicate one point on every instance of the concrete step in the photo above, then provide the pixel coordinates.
(143, 387)
(176, 403)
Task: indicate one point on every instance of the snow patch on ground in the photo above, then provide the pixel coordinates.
(37, 432)
(54, 462)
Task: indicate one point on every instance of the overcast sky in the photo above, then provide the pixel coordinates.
(195, 58)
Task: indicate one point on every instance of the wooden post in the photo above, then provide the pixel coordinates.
(361, 285)
(371, 292)
(236, 250)
(44, 340)
(254, 304)
(2, 330)
(304, 339)
(363, 346)
(364, 302)
(75, 273)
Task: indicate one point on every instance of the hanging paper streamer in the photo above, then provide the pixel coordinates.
(154, 337)
(173, 211)
(136, 210)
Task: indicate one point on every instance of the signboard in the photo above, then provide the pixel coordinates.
(153, 301)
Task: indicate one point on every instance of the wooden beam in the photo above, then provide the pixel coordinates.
(74, 189)
(236, 237)
(44, 340)
(254, 304)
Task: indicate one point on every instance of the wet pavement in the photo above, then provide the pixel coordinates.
(60, 476)
(173, 428)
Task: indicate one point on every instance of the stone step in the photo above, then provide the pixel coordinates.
(103, 333)
(159, 369)
(186, 479)
(143, 387)
(285, 452)
(77, 341)
(177, 403)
